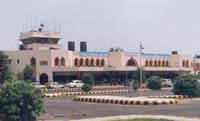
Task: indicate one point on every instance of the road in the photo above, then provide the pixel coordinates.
(65, 108)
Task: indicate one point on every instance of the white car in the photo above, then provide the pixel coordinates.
(55, 85)
(38, 85)
(167, 83)
(75, 83)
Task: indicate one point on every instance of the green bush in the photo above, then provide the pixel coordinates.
(154, 82)
(88, 79)
(19, 100)
(187, 84)
(86, 87)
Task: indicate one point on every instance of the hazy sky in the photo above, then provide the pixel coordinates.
(161, 25)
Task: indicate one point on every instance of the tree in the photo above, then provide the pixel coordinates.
(154, 82)
(187, 84)
(4, 69)
(19, 100)
(28, 74)
(136, 74)
(88, 81)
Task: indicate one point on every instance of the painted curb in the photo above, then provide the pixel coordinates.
(85, 93)
(126, 101)
(170, 96)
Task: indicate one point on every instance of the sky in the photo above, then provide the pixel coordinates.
(161, 25)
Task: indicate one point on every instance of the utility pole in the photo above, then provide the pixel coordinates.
(140, 56)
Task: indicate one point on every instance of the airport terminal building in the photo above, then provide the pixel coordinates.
(41, 50)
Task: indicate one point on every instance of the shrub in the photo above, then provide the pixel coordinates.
(86, 87)
(19, 100)
(154, 82)
(88, 79)
(186, 84)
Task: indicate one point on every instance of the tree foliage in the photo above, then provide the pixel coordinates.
(4, 69)
(19, 100)
(86, 87)
(187, 84)
(28, 74)
(136, 74)
(88, 81)
(154, 82)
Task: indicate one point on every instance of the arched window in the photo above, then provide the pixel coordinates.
(146, 63)
(62, 61)
(163, 63)
(102, 62)
(81, 62)
(183, 63)
(155, 63)
(150, 63)
(33, 61)
(76, 63)
(167, 63)
(87, 62)
(97, 62)
(56, 62)
(131, 62)
(92, 62)
(159, 63)
(187, 63)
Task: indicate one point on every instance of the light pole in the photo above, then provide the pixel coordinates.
(140, 55)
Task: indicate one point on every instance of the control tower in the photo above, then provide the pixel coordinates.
(40, 39)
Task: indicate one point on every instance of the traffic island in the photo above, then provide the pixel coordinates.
(125, 100)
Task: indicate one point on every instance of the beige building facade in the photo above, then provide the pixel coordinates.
(52, 63)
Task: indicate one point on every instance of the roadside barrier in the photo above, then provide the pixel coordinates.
(85, 93)
(171, 96)
(99, 88)
(126, 101)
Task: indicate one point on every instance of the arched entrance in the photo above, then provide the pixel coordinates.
(132, 62)
(44, 78)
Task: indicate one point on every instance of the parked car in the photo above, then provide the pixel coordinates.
(167, 83)
(38, 85)
(75, 83)
(55, 85)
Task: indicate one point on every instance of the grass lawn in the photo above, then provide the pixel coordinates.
(143, 119)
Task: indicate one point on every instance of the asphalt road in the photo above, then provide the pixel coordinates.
(65, 108)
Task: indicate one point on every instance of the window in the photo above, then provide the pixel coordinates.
(87, 62)
(81, 62)
(97, 62)
(33, 61)
(56, 61)
(131, 62)
(18, 61)
(102, 62)
(62, 61)
(76, 62)
(92, 62)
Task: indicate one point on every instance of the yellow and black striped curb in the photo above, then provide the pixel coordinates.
(85, 93)
(94, 88)
(100, 88)
(126, 101)
(171, 96)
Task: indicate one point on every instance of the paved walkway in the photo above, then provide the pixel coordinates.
(140, 116)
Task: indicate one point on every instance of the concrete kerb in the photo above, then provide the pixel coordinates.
(175, 118)
(126, 100)
(48, 95)
(99, 88)
(171, 96)
(94, 88)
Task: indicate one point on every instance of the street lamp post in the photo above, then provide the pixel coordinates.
(140, 55)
